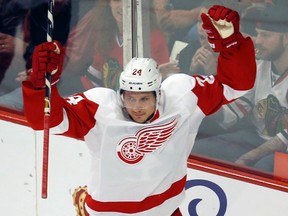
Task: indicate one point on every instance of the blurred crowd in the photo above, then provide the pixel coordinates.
(247, 132)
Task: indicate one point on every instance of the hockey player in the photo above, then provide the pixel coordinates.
(141, 136)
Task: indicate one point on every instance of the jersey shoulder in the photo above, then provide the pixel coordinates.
(101, 95)
(178, 85)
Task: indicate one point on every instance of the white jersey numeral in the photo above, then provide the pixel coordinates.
(74, 100)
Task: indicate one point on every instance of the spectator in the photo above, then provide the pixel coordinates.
(267, 131)
(198, 55)
(94, 50)
(176, 17)
(249, 17)
(12, 13)
(35, 25)
(271, 91)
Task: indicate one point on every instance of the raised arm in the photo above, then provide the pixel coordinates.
(237, 61)
(236, 69)
(47, 57)
(74, 119)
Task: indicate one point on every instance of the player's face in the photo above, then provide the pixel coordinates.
(139, 105)
(269, 45)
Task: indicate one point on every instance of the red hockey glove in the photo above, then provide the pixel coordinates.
(222, 27)
(47, 57)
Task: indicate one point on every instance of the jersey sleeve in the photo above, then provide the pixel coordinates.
(235, 76)
(73, 116)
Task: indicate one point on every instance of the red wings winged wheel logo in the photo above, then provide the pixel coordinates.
(132, 149)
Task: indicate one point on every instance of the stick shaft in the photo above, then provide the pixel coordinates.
(50, 26)
(45, 158)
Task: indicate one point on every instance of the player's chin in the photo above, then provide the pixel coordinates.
(139, 118)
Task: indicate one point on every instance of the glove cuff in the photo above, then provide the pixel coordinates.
(39, 82)
(215, 44)
(233, 41)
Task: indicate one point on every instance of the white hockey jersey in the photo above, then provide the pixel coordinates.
(270, 96)
(140, 169)
(266, 104)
